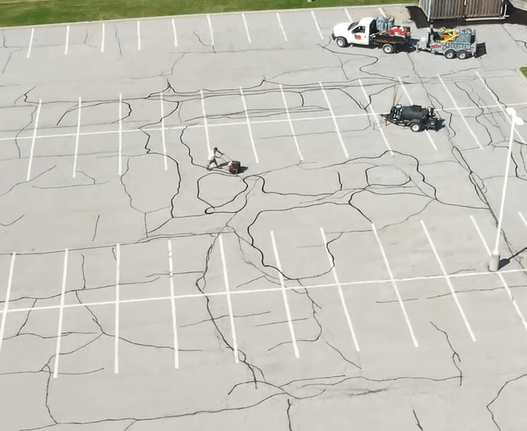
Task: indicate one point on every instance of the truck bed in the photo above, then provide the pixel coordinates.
(381, 38)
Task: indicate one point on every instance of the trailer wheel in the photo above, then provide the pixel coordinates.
(388, 49)
(415, 127)
(462, 55)
(341, 42)
(450, 54)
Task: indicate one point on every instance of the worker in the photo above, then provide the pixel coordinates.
(215, 153)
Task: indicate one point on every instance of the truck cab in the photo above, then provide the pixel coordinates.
(354, 33)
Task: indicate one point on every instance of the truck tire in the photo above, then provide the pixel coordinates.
(341, 42)
(450, 54)
(388, 49)
(415, 127)
(462, 55)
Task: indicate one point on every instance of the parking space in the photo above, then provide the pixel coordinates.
(220, 107)
(461, 121)
(53, 36)
(319, 140)
(193, 34)
(128, 36)
(301, 29)
(75, 37)
(326, 18)
(236, 34)
(278, 140)
(349, 257)
(265, 30)
(266, 104)
(137, 331)
(160, 36)
(434, 312)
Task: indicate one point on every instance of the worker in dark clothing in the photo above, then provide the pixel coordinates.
(215, 153)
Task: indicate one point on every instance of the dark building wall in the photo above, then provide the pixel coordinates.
(455, 9)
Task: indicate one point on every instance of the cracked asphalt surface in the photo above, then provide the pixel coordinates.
(316, 290)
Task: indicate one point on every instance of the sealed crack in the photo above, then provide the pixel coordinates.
(456, 359)
(500, 391)
(417, 422)
(288, 412)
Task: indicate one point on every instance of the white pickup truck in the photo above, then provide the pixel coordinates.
(379, 32)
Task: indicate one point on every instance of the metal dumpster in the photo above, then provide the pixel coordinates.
(462, 9)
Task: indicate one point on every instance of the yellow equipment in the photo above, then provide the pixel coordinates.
(449, 35)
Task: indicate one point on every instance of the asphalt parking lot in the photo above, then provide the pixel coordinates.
(340, 282)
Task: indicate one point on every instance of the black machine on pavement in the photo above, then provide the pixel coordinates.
(232, 165)
(414, 116)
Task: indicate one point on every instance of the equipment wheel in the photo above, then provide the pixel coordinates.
(450, 54)
(341, 42)
(415, 127)
(388, 49)
(462, 55)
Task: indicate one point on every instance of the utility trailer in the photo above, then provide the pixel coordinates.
(377, 32)
(451, 43)
(414, 116)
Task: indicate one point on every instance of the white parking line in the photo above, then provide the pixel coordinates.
(61, 315)
(246, 28)
(67, 40)
(394, 285)
(500, 276)
(33, 141)
(138, 35)
(196, 126)
(120, 133)
(410, 100)
(205, 123)
(447, 278)
(249, 125)
(334, 121)
(500, 105)
(523, 219)
(174, 32)
(229, 302)
(234, 123)
(173, 305)
(339, 287)
(291, 123)
(102, 37)
(376, 118)
(365, 283)
(316, 24)
(6, 301)
(163, 131)
(30, 42)
(77, 137)
(211, 31)
(459, 112)
(348, 15)
(281, 26)
(284, 296)
(117, 279)
(381, 10)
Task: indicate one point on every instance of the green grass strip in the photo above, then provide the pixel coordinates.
(34, 12)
